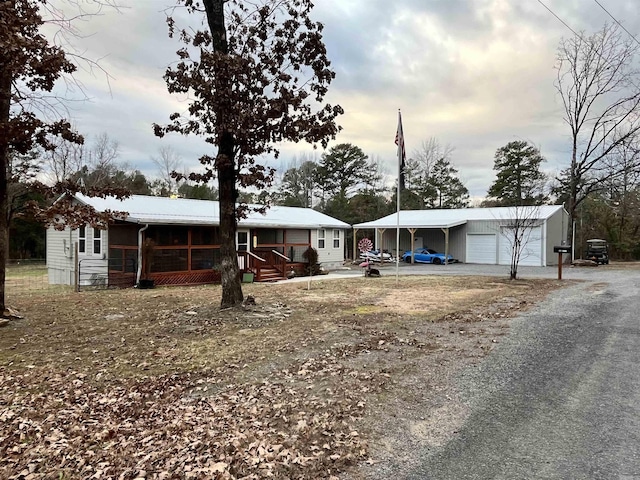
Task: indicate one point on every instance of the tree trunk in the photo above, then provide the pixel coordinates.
(225, 166)
(231, 285)
(5, 103)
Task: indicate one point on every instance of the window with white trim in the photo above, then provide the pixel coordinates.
(336, 238)
(82, 240)
(321, 237)
(97, 241)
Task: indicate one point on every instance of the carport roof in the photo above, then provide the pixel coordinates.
(144, 209)
(447, 218)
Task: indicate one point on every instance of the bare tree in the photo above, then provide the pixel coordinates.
(517, 232)
(63, 160)
(30, 66)
(430, 153)
(600, 90)
(168, 162)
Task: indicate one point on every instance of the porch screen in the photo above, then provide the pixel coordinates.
(205, 258)
(170, 260)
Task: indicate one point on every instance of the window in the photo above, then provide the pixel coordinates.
(97, 241)
(336, 239)
(242, 241)
(82, 240)
(321, 236)
(269, 236)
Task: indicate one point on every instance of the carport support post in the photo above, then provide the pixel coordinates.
(446, 244)
(381, 246)
(413, 246)
(355, 242)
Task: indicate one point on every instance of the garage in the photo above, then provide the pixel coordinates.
(531, 254)
(481, 248)
(473, 235)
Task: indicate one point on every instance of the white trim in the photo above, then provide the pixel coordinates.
(82, 237)
(335, 230)
(322, 237)
(99, 239)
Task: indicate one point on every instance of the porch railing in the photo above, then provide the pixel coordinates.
(267, 259)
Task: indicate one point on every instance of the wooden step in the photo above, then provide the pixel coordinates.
(270, 275)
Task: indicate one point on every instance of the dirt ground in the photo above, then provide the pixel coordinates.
(316, 383)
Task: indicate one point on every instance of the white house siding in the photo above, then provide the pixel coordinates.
(59, 254)
(329, 257)
(61, 247)
(94, 267)
(297, 236)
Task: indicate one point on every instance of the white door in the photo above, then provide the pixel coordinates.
(531, 253)
(242, 245)
(481, 248)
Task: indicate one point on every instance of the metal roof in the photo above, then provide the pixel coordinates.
(181, 211)
(447, 218)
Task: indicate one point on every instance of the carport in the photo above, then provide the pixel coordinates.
(474, 235)
(411, 221)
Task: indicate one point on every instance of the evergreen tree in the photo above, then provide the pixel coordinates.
(446, 189)
(519, 179)
(342, 170)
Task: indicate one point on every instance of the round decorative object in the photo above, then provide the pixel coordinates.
(365, 245)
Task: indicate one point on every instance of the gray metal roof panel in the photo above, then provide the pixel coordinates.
(447, 218)
(180, 211)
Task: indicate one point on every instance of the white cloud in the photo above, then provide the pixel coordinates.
(474, 73)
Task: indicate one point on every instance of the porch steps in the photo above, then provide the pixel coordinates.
(270, 275)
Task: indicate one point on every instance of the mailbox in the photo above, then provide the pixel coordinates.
(562, 249)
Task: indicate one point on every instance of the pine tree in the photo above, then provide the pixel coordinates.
(519, 179)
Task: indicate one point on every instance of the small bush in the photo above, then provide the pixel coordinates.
(311, 256)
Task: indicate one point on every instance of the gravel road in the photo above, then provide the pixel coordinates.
(560, 397)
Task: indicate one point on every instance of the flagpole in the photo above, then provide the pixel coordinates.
(400, 141)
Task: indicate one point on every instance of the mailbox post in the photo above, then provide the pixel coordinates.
(560, 250)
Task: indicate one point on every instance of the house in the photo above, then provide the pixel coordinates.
(176, 241)
(476, 235)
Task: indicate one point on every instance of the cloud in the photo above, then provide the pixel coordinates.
(474, 73)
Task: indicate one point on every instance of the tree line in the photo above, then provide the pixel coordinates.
(256, 74)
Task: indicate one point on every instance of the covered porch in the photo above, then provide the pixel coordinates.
(190, 255)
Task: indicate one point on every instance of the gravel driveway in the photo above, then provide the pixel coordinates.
(559, 398)
(568, 272)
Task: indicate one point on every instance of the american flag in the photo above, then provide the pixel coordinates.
(402, 155)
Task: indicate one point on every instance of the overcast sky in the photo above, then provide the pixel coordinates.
(475, 74)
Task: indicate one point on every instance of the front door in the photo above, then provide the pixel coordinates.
(242, 245)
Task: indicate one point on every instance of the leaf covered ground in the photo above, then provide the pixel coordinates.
(306, 384)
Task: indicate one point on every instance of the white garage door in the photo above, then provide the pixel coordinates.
(531, 254)
(481, 248)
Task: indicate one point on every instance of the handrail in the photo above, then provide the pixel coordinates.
(255, 256)
(281, 255)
